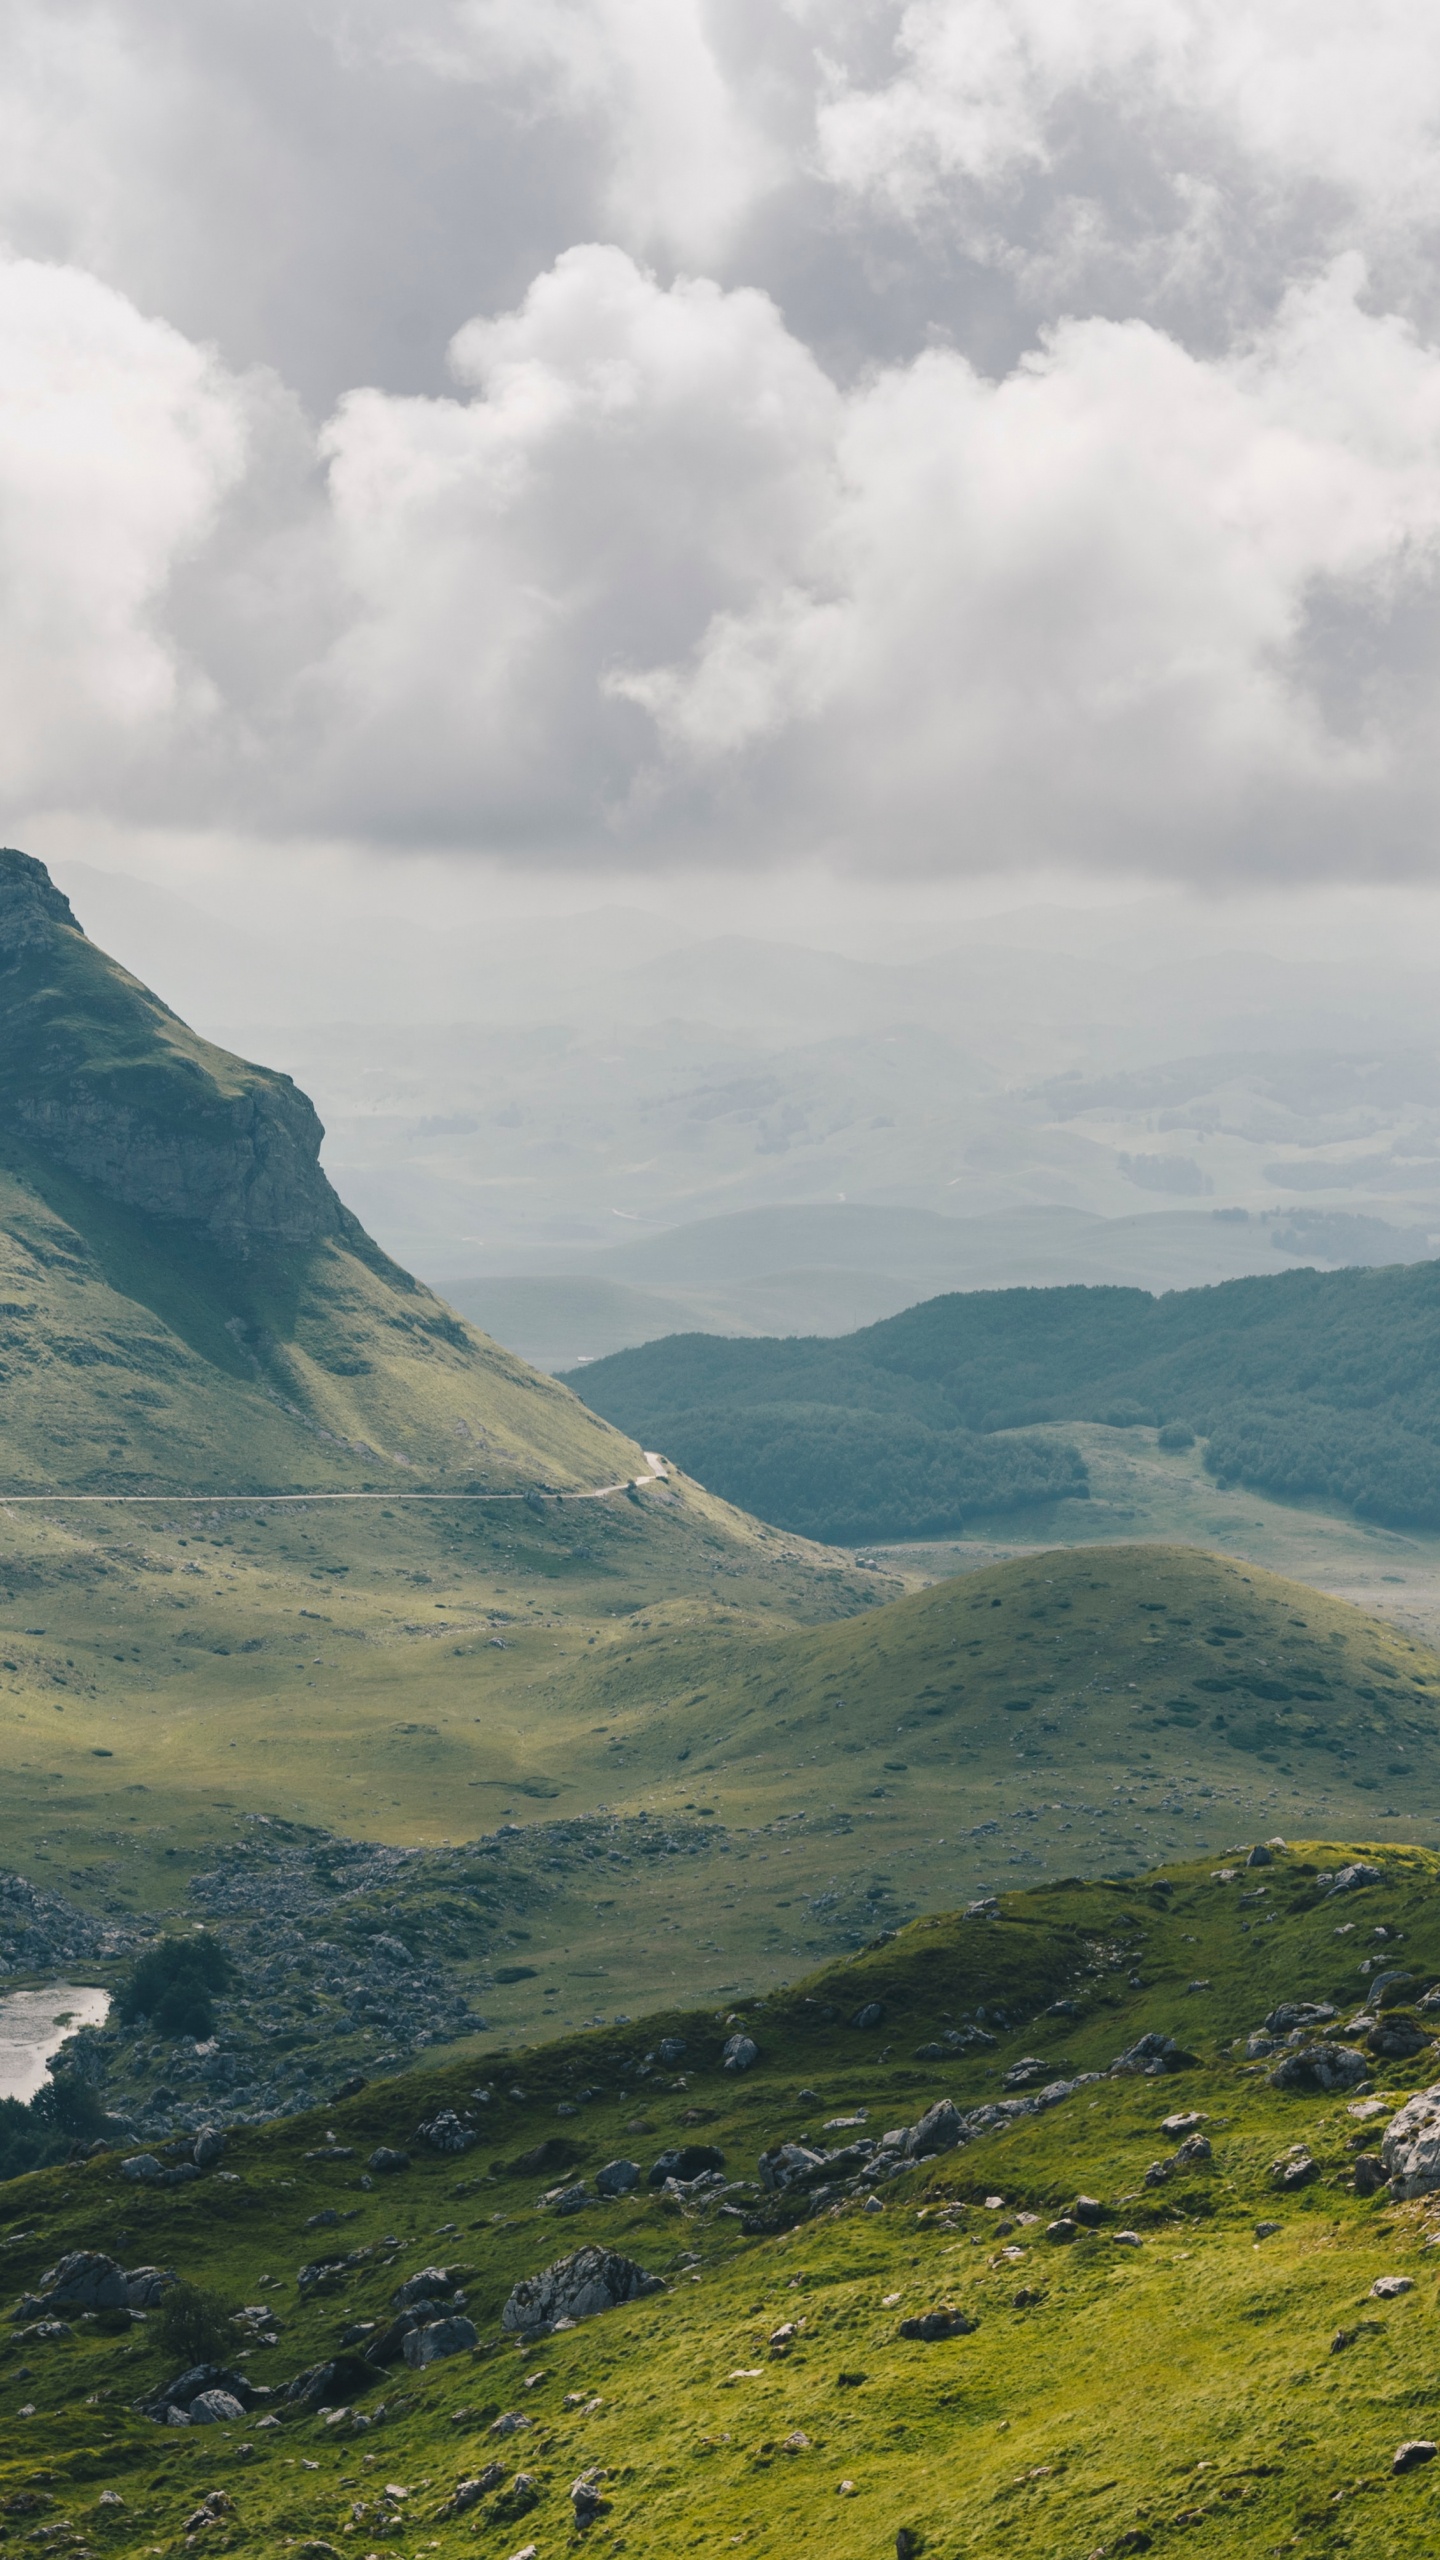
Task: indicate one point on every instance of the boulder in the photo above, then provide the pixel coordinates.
(1415, 2450)
(1351, 1879)
(1293, 2169)
(1087, 2210)
(468, 2493)
(1390, 2288)
(1152, 2056)
(1298, 2013)
(870, 2014)
(944, 2323)
(215, 2409)
(1193, 2151)
(385, 2163)
(686, 2163)
(146, 2287)
(1260, 1856)
(1322, 2067)
(432, 2284)
(1063, 2229)
(445, 2132)
(617, 2178)
(1410, 2146)
(671, 2051)
(940, 2128)
(180, 2395)
(333, 2384)
(143, 2167)
(740, 2053)
(1368, 2175)
(86, 2280)
(1397, 2040)
(576, 2288)
(438, 2339)
(209, 2147)
(586, 2500)
(571, 2199)
(1028, 2073)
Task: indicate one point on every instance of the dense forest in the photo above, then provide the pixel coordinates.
(1306, 1383)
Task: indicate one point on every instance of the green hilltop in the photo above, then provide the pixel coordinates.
(1142, 2310)
(1311, 1385)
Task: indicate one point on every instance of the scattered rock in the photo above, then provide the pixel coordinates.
(385, 2163)
(1152, 2056)
(215, 2408)
(1260, 1856)
(143, 2167)
(468, 2493)
(1299, 2013)
(870, 2014)
(1177, 2126)
(431, 2284)
(1410, 2146)
(445, 2132)
(438, 2339)
(1368, 2175)
(740, 2053)
(1029, 2072)
(1321, 2067)
(587, 2500)
(1397, 2039)
(563, 2200)
(209, 2147)
(576, 2288)
(1087, 2210)
(1387, 2288)
(85, 2280)
(939, 2129)
(943, 2323)
(1294, 2168)
(617, 2178)
(690, 2161)
(333, 2384)
(1191, 2154)
(1158, 2173)
(1266, 2230)
(1351, 1879)
(1415, 2450)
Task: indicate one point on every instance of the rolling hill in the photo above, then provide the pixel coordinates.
(1307, 1384)
(1226, 2345)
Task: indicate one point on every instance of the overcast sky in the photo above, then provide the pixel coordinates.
(626, 435)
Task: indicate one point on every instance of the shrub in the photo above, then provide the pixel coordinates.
(194, 2326)
(172, 1985)
(1177, 1435)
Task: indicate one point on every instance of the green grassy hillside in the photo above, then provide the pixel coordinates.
(360, 1675)
(1208, 2365)
(1309, 1384)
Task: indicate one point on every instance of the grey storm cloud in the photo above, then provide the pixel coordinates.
(644, 431)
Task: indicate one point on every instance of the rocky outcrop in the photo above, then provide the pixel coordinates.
(576, 2288)
(100, 1076)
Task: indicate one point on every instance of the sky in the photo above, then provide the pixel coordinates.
(603, 441)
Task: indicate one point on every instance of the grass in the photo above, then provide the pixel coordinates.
(397, 1674)
(1186, 2391)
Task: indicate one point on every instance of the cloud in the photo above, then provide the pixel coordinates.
(926, 436)
(119, 442)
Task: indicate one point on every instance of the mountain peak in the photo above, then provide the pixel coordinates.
(104, 1079)
(31, 907)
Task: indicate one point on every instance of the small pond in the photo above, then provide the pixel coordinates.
(34, 2024)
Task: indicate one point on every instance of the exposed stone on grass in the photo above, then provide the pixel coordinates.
(576, 2288)
(945, 2322)
(1414, 2450)
(1321, 2067)
(439, 2339)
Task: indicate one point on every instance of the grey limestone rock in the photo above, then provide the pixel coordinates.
(385, 2163)
(1294, 2168)
(438, 2339)
(576, 2288)
(446, 2133)
(209, 2147)
(1150, 2057)
(946, 2322)
(617, 2178)
(740, 2053)
(143, 2167)
(1321, 2067)
(1415, 2450)
(215, 2408)
(86, 2281)
(1410, 2145)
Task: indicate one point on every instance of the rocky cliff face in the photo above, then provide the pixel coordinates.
(102, 1077)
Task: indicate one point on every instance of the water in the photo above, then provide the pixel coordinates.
(34, 2024)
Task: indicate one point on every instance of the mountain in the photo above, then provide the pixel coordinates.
(185, 1304)
(854, 2335)
(1304, 1383)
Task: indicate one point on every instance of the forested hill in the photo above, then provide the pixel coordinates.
(1305, 1383)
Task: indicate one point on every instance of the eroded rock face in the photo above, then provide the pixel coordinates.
(576, 2288)
(1321, 2066)
(1410, 2146)
(113, 1086)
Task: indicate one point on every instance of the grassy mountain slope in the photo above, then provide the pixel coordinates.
(1310, 1384)
(363, 1676)
(1200, 2386)
(184, 1302)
